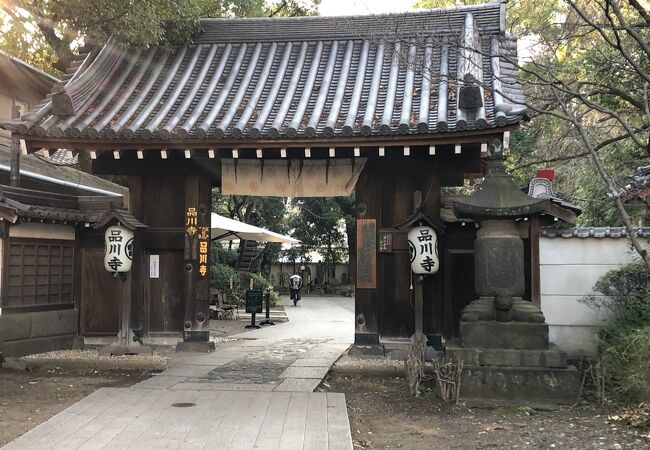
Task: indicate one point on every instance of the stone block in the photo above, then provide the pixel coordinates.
(521, 384)
(14, 364)
(522, 358)
(55, 323)
(493, 334)
(37, 345)
(14, 327)
(366, 339)
(470, 356)
(195, 346)
(362, 351)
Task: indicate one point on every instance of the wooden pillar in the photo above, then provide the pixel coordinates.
(14, 169)
(197, 259)
(138, 272)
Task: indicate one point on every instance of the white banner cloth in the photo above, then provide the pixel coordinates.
(290, 178)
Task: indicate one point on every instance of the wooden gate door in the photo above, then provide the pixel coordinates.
(101, 295)
(163, 296)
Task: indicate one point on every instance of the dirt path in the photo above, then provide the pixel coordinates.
(382, 415)
(30, 398)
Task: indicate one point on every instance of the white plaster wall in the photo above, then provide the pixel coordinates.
(569, 269)
(42, 231)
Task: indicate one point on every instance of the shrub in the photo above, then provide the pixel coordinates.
(625, 342)
(222, 274)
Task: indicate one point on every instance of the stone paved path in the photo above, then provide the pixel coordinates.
(252, 393)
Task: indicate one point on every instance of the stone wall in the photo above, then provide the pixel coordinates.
(569, 268)
(36, 332)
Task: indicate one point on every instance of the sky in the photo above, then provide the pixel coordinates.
(350, 7)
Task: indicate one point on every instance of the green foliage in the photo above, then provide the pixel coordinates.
(41, 32)
(626, 341)
(223, 275)
(322, 224)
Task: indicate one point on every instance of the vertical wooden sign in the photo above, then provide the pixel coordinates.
(366, 253)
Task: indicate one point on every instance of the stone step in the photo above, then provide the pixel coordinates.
(553, 357)
(522, 384)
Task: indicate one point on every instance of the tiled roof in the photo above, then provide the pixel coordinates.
(596, 232)
(75, 178)
(639, 185)
(307, 77)
(35, 205)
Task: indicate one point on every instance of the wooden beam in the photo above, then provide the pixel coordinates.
(474, 136)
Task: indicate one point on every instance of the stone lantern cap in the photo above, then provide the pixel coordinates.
(498, 197)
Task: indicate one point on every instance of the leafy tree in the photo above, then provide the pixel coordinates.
(322, 224)
(47, 33)
(587, 82)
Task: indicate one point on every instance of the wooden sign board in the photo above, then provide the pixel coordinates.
(254, 301)
(366, 254)
(385, 241)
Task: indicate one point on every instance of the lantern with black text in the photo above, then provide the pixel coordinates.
(423, 250)
(118, 249)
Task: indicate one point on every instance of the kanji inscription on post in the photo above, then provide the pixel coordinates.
(366, 253)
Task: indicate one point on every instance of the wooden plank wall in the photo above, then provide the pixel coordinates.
(385, 193)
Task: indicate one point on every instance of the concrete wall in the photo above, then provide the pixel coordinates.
(36, 332)
(288, 268)
(569, 269)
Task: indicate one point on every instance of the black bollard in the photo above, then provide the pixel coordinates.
(267, 321)
(252, 325)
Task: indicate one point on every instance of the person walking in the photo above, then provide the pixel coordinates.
(295, 284)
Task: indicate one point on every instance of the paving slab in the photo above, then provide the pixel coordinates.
(160, 382)
(305, 372)
(203, 386)
(252, 393)
(314, 362)
(298, 385)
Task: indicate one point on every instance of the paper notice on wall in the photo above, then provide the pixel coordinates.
(154, 266)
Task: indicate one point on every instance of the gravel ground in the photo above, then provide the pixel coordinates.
(30, 398)
(384, 416)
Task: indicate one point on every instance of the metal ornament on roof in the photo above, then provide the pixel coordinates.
(118, 249)
(423, 250)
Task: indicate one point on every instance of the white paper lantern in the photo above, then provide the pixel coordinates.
(118, 249)
(423, 250)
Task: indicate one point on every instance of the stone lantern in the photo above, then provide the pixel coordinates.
(499, 263)
(504, 338)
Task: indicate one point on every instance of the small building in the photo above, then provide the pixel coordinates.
(41, 226)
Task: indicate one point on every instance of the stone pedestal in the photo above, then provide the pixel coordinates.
(514, 335)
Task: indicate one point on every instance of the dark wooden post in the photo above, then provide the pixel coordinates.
(14, 171)
(196, 332)
(417, 282)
